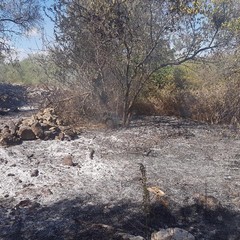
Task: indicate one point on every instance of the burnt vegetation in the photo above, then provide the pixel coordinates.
(130, 67)
(68, 220)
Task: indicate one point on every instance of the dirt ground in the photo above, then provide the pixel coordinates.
(101, 195)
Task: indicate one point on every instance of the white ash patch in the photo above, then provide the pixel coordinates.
(180, 165)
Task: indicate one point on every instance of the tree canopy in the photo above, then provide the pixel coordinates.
(111, 48)
(16, 17)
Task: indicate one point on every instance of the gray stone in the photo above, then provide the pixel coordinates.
(208, 202)
(37, 130)
(172, 234)
(70, 133)
(35, 173)
(48, 135)
(26, 133)
(12, 127)
(126, 236)
(9, 139)
(67, 160)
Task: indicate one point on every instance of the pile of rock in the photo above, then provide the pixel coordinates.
(44, 125)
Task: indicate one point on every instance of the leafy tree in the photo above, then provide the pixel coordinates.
(170, 75)
(10, 73)
(16, 17)
(27, 71)
(112, 48)
(32, 71)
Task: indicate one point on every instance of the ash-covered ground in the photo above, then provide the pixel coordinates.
(101, 194)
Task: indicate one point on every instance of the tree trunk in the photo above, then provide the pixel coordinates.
(127, 114)
(126, 108)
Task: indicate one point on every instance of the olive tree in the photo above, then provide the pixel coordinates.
(112, 48)
(16, 17)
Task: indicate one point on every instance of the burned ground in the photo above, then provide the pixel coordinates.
(12, 97)
(101, 194)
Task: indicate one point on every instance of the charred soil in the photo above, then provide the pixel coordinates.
(101, 193)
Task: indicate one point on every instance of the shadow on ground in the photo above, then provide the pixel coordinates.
(80, 219)
(12, 96)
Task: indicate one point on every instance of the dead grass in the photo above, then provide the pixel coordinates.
(217, 103)
(172, 101)
(76, 108)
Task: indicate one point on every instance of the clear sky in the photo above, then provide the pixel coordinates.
(33, 41)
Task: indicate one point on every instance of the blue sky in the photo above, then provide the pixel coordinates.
(33, 40)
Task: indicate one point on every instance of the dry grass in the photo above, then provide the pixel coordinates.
(76, 108)
(172, 101)
(143, 107)
(216, 103)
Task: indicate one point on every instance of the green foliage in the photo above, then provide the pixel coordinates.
(171, 75)
(114, 49)
(27, 71)
(32, 73)
(9, 73)
(208, 91)
(163, 77)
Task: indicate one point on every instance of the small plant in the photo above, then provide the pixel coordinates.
(157, 193)
(146, 196)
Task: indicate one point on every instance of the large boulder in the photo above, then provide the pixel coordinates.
(26, 133)
(49, 135)
(6, 130)
(9, 139)
(172, 233)
(11, 127)
(37, 130)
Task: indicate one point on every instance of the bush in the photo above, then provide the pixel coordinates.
(78, 108)
(187, 94)
(216, 104)
(219, 104)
